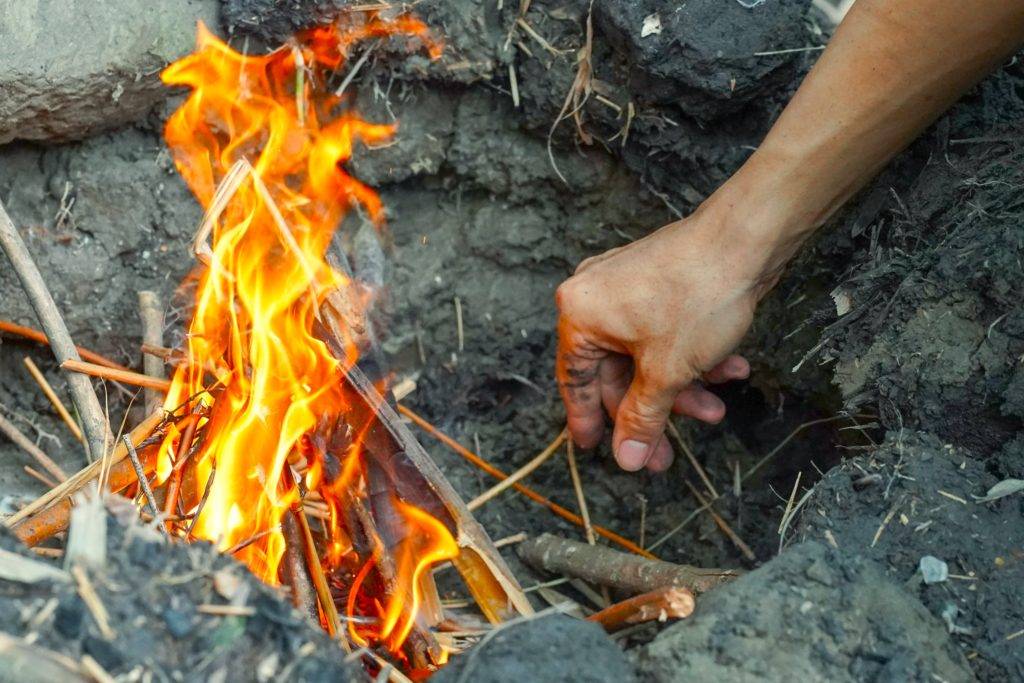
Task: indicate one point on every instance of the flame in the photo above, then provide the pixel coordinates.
(262, 143)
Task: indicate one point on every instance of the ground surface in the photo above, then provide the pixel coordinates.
(924, 268)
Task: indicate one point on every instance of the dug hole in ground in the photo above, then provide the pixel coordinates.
(870, 467)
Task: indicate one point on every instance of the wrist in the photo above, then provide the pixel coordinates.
(761, 216)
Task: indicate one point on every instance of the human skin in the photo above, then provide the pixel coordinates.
(641, 328)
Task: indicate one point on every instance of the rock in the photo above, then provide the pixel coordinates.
(780, 624)
(546, 650)
(71, 68)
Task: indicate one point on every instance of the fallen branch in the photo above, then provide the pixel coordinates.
(522, 488)
(94, 423)
(77, 367)
(615, 569)
(39, 336)
(657, 605)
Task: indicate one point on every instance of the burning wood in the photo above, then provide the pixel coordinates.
(279, 390)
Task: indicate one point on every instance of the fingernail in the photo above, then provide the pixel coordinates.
(632, 455)
(708, 401)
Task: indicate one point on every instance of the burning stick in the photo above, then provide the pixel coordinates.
(58, 405)
(152, 333)
(23, 442)
(82, 393)
(38, 336)
(123, 376)
(140, 474)
(615, 569)
(661, 604)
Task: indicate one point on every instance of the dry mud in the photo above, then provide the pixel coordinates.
(924, 264)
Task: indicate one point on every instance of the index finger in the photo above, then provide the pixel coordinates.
(577, 368)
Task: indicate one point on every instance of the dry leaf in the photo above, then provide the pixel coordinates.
(1007, 487)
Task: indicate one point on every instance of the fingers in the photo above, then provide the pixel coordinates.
(662, 458)
(640, 422)
(732, 368)
(577, 366)
(699, 403)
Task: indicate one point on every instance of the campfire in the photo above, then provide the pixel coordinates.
(278, 439)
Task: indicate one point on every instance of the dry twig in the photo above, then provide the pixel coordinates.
(124, 376)
(26, 444)
(658, 605)
(94, 423)
(519, 474)
(58, 405)
(152, 315)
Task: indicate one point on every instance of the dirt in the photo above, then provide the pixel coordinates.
(812, 614)
(927, 258)
(152, 592)
(929, 490)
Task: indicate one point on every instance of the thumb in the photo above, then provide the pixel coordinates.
(640, 421)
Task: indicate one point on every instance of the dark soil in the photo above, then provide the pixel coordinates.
(927, 257)
(151, 591)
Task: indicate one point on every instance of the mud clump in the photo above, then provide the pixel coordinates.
(916, 496)
(152, 592)
(810, 614)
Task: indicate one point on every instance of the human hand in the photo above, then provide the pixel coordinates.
(642, 327)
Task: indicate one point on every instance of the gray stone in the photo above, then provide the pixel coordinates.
(69, 68)
(783, 623)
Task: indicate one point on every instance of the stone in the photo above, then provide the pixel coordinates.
(783, 623)
(548, 649)
(70, 68)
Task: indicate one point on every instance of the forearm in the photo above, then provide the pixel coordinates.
(890, 70)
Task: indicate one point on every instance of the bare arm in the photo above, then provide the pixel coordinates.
(640, 327)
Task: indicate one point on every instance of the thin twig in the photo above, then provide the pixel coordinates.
(140, 472)
(23, 442)
(355, 69)
(83, 395)
(519, 474)
(92, 601)
(39, 336)
(522, 488)
(202, 502)
(722, 524)
(577, 486)
(55, 401)
(674, 431)
(77, 368)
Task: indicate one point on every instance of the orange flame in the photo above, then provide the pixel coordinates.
(261, 143)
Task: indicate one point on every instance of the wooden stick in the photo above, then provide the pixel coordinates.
(521, 473)
(522, 488)
(660, 605)
(39, 336)
(58, 405)
(78, 481)
(123, 376)
(674, 431)
(722, 524)
(92, 600)
(615, 569)
(294, 572)
(202, 502)
(152, 315)
(26, 444)
(94, 423)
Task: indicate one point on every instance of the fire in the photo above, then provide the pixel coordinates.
(261, 142)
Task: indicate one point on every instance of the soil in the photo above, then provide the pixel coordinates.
(923, 266)
(152, 592)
